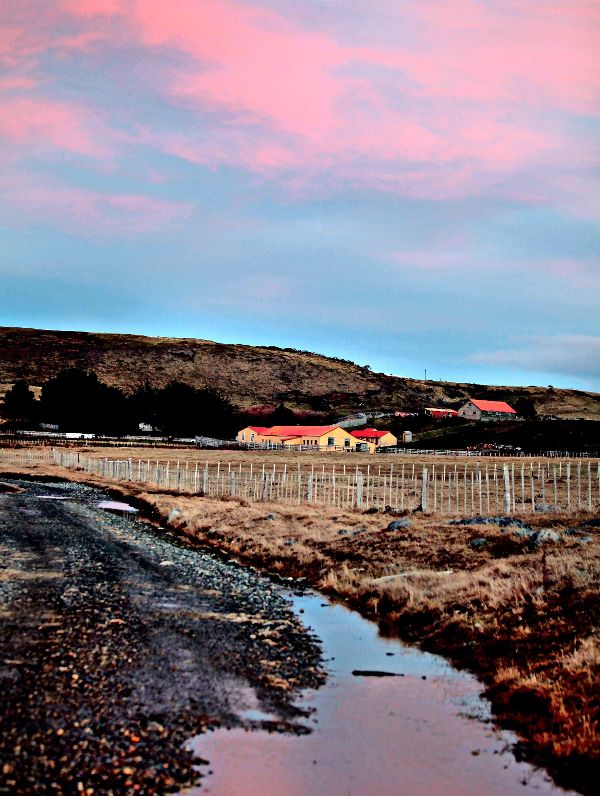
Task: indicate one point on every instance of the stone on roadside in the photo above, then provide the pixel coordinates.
(500, 521)
(544, 536)
(478, 543)
(546, 508)
(573, 532)
(397, 525)
(523, 533)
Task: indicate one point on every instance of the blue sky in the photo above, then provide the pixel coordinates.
(410, 186)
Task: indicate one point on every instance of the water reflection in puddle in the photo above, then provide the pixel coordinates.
(426, 732)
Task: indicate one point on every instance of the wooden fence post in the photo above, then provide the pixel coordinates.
(507, 499)
(359, 489)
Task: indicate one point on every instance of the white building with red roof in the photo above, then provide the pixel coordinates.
(476, 409)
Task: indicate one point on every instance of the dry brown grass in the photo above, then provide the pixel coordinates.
(307, 460)
(525, 620)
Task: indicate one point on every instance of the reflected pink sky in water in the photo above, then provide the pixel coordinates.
(371, 735)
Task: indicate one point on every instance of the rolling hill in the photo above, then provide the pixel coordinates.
(255, 375)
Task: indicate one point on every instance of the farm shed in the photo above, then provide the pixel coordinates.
(380, 439)
(439, 413)
(476, 409)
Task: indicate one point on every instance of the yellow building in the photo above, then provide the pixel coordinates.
(319, 437)
(375, 438)
(251, 434)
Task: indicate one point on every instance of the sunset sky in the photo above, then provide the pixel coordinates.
(410, 185)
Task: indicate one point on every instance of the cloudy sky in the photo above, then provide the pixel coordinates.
(411, 185)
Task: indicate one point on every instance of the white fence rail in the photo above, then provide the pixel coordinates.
(483, 488)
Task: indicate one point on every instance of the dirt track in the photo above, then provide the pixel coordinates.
(117, 645)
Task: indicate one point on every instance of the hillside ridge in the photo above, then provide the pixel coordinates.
(254, 375)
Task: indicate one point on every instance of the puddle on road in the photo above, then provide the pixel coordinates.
(372, 735)
(112, 506)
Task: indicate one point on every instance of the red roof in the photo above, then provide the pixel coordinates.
(368, 433)
(494, 406)
(433, 411)
(259, 429)
(297, 431)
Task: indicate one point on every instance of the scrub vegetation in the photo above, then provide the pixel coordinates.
(518, 608)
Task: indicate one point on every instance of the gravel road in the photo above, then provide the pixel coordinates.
(117, 644)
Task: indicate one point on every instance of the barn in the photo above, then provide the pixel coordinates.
(476, 409)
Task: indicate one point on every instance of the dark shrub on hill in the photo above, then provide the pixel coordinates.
(181, 410)
(76, 400)
(20, 404)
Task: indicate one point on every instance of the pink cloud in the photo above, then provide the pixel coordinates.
(28, 120)
(17, 84)
(87, 212)
(30, 30)
(251, 62)
(93, 8)
(291, 98)
(508, 52)
(467, 97)
(449, 253)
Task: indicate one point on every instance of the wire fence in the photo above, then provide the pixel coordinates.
(485, 488)
(55, 439)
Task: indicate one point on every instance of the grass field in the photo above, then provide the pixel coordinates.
(455, 484)
(523, 615)
(308, 461)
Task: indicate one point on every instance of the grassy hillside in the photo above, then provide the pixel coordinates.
(250, 375)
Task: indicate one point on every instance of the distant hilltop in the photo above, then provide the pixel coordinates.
(254, 376)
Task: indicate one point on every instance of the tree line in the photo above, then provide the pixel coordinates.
(76, 400)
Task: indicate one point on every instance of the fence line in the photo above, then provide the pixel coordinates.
(443, 489)
(49, 439)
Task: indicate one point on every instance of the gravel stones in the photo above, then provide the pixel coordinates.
(113, 658)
